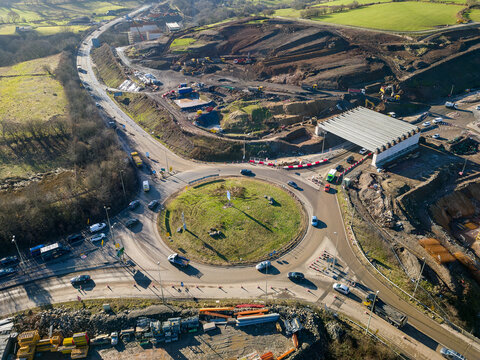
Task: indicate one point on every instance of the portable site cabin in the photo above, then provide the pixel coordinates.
(146, 186)
(331, 175)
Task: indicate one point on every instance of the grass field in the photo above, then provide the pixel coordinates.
(181, 44)
(474, 15)
(398, 16)
(51, 17)
(250, 229)
(346, 2)
(29, 92)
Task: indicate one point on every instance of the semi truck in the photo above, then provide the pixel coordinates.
(178, 260)
(137, 159)
(385, 311)
(332, 174)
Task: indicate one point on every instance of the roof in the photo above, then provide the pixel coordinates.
(173, 26)
(369, 129)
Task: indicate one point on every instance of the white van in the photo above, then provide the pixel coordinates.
(451, 105)
(146, 186)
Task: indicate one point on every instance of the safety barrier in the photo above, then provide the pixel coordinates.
(260, 162)
(301, 166)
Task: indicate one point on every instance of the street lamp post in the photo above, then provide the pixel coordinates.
(371, 310)
(108, 219)
(123, 186)
(419, 276)
(266, 288)
(18, 250)
(160, 281)
(323, 142)
(336, 250)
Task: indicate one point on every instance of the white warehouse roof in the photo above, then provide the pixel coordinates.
(369, 129)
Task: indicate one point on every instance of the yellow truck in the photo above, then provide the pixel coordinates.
(137, 159)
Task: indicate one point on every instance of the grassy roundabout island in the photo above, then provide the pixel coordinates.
(261, 218)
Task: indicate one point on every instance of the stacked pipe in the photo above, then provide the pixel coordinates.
(257, 319)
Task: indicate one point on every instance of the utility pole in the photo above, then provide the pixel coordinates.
(123, 186)
(166, 159)
(160, 281)
(18, 250)
(419, 276)
(323, 142)
(244, 142)
(371, 310)
(336, 251)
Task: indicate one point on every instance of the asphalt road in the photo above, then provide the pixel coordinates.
(148, 252)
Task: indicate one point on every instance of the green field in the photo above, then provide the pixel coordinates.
(474, 15)
(346, 2)
(250, 229)
(182, 44)
(29, 92)
(397, 16)
(289, 12)
(49, 17)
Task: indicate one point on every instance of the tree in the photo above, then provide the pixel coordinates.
(13, 16)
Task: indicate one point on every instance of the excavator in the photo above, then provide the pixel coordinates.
(369, 104)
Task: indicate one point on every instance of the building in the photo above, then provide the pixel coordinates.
(144, 33)
(386, 137)
(173, 27)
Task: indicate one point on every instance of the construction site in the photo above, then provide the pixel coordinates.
(240, 332)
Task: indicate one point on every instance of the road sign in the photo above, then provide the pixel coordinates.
(120, 252)
(228, 195)
(147, 154)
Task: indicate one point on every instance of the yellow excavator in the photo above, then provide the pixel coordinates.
(369, 104)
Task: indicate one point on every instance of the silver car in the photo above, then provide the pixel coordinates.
(263, 265)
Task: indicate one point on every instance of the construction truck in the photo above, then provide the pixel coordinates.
(137, 159)
(385, 311)
(313, 87)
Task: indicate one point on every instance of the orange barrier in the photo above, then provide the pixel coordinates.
(267, 356)
(284, 355)
(295, 340)
(216, 314)
(217, 309)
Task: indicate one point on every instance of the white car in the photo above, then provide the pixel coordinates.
(437, 120)
(98, 237)
(314, 221)
(97, 227)
(114, 337)
(426, 124)
(341, 288)
(363, 151)
(477, 107)
(435, 136)
(263, 265)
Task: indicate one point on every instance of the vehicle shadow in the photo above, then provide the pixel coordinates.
(306, 284)
(419, 336)
(271, 270)
(137, 228)
(141, 279)
(89, 286)
(354, 297)
(190, 271)
(320, 225)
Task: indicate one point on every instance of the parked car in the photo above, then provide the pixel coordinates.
(363, 151)
(426, 124)
(339, 168)
(97, 227)
(131, 222)
(350, 159)
(74, 238)
(292, 184)
(263, 265)
(314, 221)
(114, 337)
(451, 105)
(246, 172)
(9, 260)
(98, 237)
(450, 354)
(437, 120)
(134, 204)
(98, 105)
(80, 279)
(341, 288)
(153, 204)
(7, 272)
(435, 136)
(477, 107)
(296, 276)
(327, 188)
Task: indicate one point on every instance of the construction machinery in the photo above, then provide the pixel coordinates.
(385, 311)
(137, 160)
(369, 104)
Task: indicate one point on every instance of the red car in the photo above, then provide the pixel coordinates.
(327, 188)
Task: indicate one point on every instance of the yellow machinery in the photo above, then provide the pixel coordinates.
(369, 104)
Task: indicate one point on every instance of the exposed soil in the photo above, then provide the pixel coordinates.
(291, 52)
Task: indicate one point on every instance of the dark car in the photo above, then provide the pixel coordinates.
(292, 184)
(7, 272)
(9, 260)
(153, 204)
(75, 237)
(350, 159)
(81, 279)
(131, 222)
(134, 204)
(246, 172)
(339, 168)
(296, 276)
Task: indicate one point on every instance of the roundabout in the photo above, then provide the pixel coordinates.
(232, 220)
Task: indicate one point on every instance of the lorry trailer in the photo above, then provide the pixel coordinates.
(385, 311)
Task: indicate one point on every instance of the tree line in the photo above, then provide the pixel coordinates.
(63, 203)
